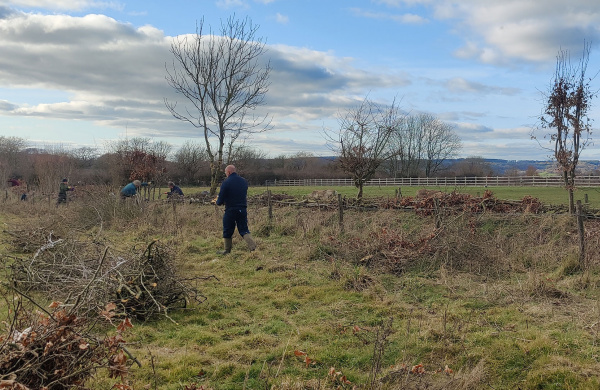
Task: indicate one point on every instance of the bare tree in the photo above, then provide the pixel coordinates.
(50, 165)
(10, 149)
(565, 114)
(138, 158)
(474, 166)
(441, 143)
(362, 140)
(223, 78)
(84, 156)
(245, 157)
(189, 159)
(531, 171)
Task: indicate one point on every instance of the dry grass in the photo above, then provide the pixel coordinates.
(498, 299)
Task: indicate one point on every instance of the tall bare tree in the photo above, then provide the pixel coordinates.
(362, 139)
(422, 143)
(565, 114)
(441, 143)
(223, 80)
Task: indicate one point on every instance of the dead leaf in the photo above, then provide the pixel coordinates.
(418, 369)
(126, 323)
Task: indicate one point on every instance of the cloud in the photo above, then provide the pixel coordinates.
(281, 19)
(460, 85)
(499, 32)
(529, 30)
(402, 18)
(7, 106)
(66, 5)
(228, 4)
(113, 74)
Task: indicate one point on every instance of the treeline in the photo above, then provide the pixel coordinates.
(148, 160)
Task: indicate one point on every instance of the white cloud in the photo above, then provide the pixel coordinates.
(228, 4)
(400, 18)
(66, 5)
(499, 32)
(460, 85)
(282, 19)
(113, 74)
(530, 30)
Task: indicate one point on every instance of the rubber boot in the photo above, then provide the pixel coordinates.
(228, 245)
(251, 244)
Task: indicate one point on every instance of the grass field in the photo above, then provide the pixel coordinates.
(486, 301)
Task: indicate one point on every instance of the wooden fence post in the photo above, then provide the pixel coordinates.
(581, 235)
(586, 198)
(438, 216)
(270, 204)
(341, 213)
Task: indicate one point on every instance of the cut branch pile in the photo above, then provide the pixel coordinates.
(88, 275)
(55, 350)
(460, 203)
(153, 286)
(453, 203)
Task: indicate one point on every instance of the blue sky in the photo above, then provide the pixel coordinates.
(84, 72)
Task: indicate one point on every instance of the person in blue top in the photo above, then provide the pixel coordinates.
(175, 192)
(130, 189)
(233, 194)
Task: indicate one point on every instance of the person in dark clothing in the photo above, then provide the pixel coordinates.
(62, 191)
(233, 194)
(175, 191)
(14, 182)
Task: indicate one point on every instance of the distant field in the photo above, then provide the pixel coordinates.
(547, 195)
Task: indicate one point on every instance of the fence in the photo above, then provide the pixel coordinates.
(541, 181)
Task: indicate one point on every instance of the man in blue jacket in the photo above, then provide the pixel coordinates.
(130, 189)
(233, 193)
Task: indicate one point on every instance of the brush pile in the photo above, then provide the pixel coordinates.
(88, 275)
(427, 202)
(55, 349)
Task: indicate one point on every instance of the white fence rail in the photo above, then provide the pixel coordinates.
(541, 181)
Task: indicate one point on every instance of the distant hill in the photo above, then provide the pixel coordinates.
(501, 166)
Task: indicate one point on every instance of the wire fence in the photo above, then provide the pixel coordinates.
(496, 181)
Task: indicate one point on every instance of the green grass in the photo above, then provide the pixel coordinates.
(481, 299)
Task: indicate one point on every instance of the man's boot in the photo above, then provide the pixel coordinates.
(228, 245)
(251, 244)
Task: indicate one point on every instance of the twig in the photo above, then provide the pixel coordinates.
(32, 301)
(124, 348)
(85, 289)
(283, 355)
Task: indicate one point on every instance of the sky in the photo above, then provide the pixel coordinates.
(87, 72)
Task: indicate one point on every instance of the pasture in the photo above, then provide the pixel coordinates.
(394, 302)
